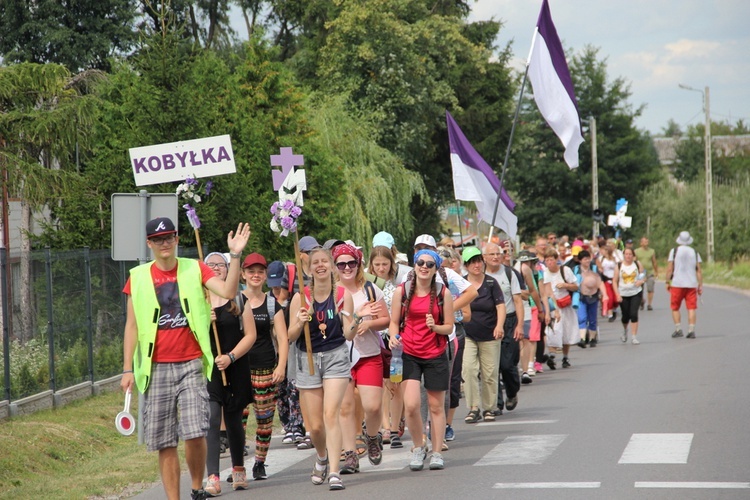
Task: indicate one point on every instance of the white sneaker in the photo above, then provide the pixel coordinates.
(531, 370)
(436, 462)
(635, 341)
(624, 336)
(417, 459)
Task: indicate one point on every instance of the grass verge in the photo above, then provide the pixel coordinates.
(75, 452)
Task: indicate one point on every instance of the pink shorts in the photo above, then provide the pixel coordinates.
(535, 334)
(368, 371)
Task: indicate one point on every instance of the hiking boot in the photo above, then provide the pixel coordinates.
(259, 471)
(450, 435)
(417, 459)
(566, 363)
(351, 463)
(213, 486)
(198, 494)
(436, 462)
(511, 403)
(374, 449)
(396, 441)
(677, 333)
(690, 335)
(239, 479)
(334, 482)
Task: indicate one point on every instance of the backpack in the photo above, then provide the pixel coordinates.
(519, 277)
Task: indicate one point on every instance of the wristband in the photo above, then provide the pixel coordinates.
(231, 357)
(127, 371)
(235, 255)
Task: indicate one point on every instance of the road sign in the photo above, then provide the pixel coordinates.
(128, 227)
(453, 210)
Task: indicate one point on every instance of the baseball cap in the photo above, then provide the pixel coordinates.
(628, 241)
(469, 253)
(254, 258)
(329, 244)
(275, 274)
(307, 243)
(526, 256)
(425, 239)
(351, 243)
(159, 226)
(576, 248)
(383, 239)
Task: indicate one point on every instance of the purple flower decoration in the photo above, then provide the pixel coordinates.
(274, 208)
(287, 222)
(295, 212)
(192, 181)
(288, 205)
(209, 187)
(192, 216)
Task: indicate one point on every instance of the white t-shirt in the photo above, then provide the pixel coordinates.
(608, 268)
(684, 274)
(508, 289)
(628, 277)
(526, 303)
(368, 344)
(554, 278)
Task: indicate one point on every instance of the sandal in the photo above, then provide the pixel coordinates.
(361, 445)
(489, 416)
(319, 476)
(386, 433)
(473, 417)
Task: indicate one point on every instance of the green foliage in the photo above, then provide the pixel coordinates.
(79, 35)
(552, 198)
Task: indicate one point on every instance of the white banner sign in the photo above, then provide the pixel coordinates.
(176, 161)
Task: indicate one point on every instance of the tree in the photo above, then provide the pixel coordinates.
(549, 196)
(80, 35)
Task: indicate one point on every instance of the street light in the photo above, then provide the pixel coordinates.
(709, 175)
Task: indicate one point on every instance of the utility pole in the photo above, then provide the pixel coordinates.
(594, 174)
(709, 174)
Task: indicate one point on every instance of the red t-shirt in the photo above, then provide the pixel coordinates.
(418, 340)
(174, 340)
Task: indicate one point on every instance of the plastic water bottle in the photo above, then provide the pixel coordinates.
(641, 276)
(397, 363)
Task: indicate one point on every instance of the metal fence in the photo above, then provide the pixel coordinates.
(62, 320)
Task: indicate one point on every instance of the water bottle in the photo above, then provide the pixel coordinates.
(641, 276)
(397, 363)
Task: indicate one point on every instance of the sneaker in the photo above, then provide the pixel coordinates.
(582, 344)
(677, 333)
(525, 379)
(593, 342)
(351, 463)
(374, 448)
(690, 335)
(213, 486)
(319, 476)
(624, 336)
(288, 438)
(566, 363)
(334, 482)
(538, 367)
(551, 362)
(650, 308)
(259, 471)
(436, 462)
(635, 341)
(511, 403)
(239, 479)
(450, 435)
(386, 433)
(396, 442)
(198, 494)
(417, 459)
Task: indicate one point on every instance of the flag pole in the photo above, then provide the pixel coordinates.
(510, 143)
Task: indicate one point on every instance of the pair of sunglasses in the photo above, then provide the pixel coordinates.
(425, 263)
(352, 264)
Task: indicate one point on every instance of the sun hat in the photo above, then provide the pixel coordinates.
(526, 256)
(684, 238)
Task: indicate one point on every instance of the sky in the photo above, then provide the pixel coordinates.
(655, 45)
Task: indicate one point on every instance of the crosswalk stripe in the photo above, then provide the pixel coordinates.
(557, 485)
(522, 450)
(691, 484)
(516, 422)
(657, 449)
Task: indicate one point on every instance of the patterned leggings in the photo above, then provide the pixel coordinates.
(288, 408)
(264, 406)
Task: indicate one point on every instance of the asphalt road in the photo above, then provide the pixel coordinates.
(666, 419)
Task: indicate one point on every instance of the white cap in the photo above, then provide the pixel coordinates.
(351, 243)
(425, 239)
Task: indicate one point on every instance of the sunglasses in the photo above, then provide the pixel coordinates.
(425, 263)
(351, 264)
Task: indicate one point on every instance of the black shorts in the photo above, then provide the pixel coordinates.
(436, 371)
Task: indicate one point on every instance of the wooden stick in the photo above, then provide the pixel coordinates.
(302, 303)
(208, 298)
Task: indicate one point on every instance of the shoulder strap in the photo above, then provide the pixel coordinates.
(271, 306)
(508, 275)
(370, 291)
(340, 297)
(519, 277)
(291, 270)
(239, 300)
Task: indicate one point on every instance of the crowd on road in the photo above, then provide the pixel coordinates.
(366, 348)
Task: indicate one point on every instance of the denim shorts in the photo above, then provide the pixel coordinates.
(176, 404)
(327, 364)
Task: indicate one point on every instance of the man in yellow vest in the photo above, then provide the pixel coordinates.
(167, 348)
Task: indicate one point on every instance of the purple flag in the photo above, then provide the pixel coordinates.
(474, 180)
(553, 87)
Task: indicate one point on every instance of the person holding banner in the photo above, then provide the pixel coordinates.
(322, 392)
(167, 322)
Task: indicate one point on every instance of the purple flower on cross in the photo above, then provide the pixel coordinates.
(192, 216)
(209, 187)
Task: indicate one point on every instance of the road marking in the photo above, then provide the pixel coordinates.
(505, 486)
(516, 422)
(691, 484)
(523, 450)
(657, 449)
(279, 458)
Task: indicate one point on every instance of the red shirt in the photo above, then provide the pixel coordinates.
(418, 340)
(175, 341)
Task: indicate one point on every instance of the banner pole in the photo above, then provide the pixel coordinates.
(302, 303)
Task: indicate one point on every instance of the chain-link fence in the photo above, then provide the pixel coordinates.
(63, 315)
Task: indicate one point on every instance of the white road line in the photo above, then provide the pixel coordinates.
(516, 422)
(522, 450)
(279, 458)
(560, 485)
(691, 484)
(657, 449)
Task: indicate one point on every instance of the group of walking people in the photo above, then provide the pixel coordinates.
(473, 321)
